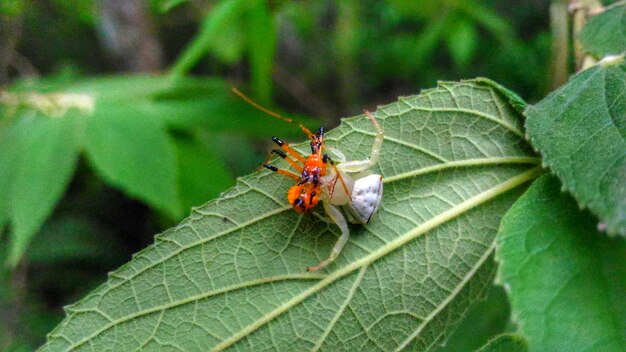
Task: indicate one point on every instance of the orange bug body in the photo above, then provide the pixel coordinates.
(304, 195)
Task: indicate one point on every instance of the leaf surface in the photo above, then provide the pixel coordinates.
(165, 6)
(262, 36)
(462, 42)
(506, 343)
(218, 19)
(182, 103)
(485, 320)
(41, 153)
(580, 130)
(605, 34)
(202, 175)
(566, 281)
(137, 155)
(233, 273)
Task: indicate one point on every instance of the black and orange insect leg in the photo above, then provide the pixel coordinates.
(271, 113)
(282, 171)
(284, 146)
(282, 154)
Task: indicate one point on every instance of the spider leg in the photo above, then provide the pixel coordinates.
(338, 219)
(362, 165)
(339, 177)
(338, 153)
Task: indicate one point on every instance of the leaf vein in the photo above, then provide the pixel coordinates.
(200, 242)
(195, 298)
(450, 297)
(347, 301)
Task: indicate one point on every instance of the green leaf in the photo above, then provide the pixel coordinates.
(218, 18)
(462, 40)
(488, 18)
(220, 111)
(605, 34)
(484, 320)
(201, 175)
(48, 152)
(184, 103)
(75, 238)
(229, 48)
(506, 343)
(422, 9)
(580, 129)
(511, 97)
(420, 47)
(135, 110)
(238, 153)
(566, 282)
(165, 6)
(12, 136)
(135, 154)
(233, 273)
(12, 8)
(262, 39)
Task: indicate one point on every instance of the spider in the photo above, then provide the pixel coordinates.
(347, 185)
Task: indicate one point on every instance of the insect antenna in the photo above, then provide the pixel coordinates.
(271, 113)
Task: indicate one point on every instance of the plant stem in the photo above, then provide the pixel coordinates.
(559, 24)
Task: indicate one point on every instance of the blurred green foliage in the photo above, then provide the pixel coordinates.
(95, 160)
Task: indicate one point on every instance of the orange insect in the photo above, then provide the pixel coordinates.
(359, 194)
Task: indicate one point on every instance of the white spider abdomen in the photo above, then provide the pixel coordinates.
(366, 196)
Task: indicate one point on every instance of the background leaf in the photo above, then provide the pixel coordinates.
(11, 150)
(462, 42)
(233, 274)
(605, 34)
(566, 281)
(202, 175)
(164, 6)
(46, 161)
(72, 238)
(12, 8)
(580, 129)
(218, 18)
(506, 343)
(482, 322)
(135, 111)
(262, 45)
(116, 145)
(182, 103)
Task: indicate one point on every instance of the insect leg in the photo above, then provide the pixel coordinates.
(284, 146)
(340, 156)
(338, 219)
(271, 113)
(284, 156)
(282, 171)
